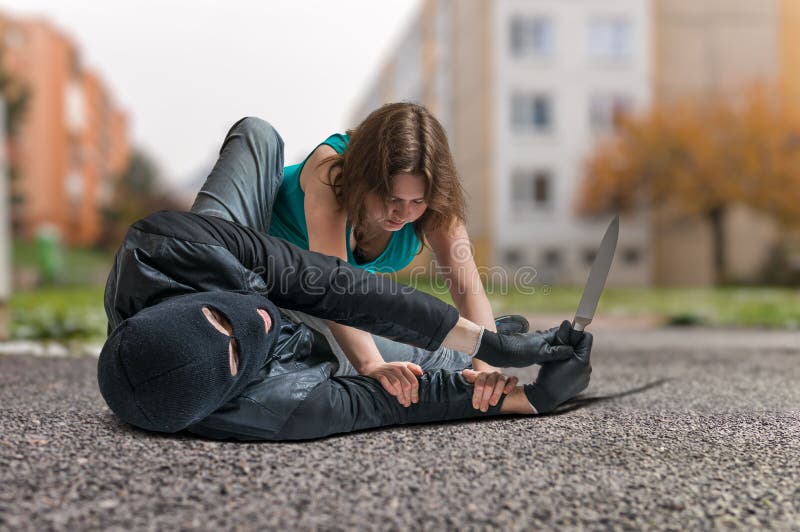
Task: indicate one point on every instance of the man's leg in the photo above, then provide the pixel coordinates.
(244, 181)
(346, 404)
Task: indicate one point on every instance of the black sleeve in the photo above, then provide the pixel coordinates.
(310, 282)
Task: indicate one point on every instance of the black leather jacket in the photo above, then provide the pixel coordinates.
(174, 253)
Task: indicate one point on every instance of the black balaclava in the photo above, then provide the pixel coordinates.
(167, 367)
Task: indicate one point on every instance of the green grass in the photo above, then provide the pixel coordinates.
(70, 308)
(79, 266)
(67, 313)
(59, 313)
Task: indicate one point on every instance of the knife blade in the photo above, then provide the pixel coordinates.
(597, 277)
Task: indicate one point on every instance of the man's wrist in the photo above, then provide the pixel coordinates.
(480, 365)
(463, 337)
(478, 343)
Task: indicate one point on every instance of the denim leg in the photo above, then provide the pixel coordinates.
(391, 351)
(244, 181)
(442, 358)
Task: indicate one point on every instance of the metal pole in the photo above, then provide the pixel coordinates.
(5, 233)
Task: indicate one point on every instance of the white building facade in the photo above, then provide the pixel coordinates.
(524, 89)
(563, 71)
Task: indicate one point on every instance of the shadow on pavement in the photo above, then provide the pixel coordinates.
(581, 402)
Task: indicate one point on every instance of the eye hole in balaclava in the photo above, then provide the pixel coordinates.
(168, 367)
(220, 322)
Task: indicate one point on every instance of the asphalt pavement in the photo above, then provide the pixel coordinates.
(679, 429)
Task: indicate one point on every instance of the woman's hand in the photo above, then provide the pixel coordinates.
(489, 387)
(399, 379)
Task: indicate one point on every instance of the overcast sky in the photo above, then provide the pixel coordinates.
(186, 70)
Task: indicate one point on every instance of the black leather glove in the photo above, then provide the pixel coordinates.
(522, 349)
(562, 380)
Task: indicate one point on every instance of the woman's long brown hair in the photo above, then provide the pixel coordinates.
(398, 138)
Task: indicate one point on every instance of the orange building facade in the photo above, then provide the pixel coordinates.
(72, 141)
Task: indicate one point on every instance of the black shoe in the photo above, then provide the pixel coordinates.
(511, 323)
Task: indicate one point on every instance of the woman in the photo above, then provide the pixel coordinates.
(373, 198)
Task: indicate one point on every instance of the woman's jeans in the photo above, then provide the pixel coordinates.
(242, 187)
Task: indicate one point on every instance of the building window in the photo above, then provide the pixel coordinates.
(610, 38)
(531, 190)
(74, 186)
(541, 188)
(532, 112)
(513, 257)
(631, 256)
(74, 107)
(606, 110)
(588, 256)
(552, 258)
(532, 36)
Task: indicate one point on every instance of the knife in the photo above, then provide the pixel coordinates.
(597, 279)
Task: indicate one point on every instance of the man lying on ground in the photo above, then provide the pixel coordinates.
(197, 342)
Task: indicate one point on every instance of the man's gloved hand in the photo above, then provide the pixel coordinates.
(562, 380)
(520, 350)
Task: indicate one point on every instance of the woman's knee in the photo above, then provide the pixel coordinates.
(257, 128)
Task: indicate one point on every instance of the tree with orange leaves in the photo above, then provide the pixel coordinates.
(698, 158)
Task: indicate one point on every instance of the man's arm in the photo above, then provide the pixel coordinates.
(296, 279)
(171, 253)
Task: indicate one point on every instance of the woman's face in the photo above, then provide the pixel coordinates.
(405, 203)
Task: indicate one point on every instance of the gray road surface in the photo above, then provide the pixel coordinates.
(678, 430)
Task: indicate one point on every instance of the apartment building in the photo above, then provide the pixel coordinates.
(72, 142)
(563, 71)
(525, 88)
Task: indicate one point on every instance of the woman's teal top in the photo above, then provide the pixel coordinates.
(289, 220)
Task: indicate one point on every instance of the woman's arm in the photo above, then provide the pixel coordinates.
(454, 255)
(326, 222)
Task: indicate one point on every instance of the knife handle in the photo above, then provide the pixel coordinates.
(579, 323)
(569, 334)
(575, 336)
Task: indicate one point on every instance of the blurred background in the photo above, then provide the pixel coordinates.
(682, 115)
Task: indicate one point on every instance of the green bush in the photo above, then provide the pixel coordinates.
(59, 313)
